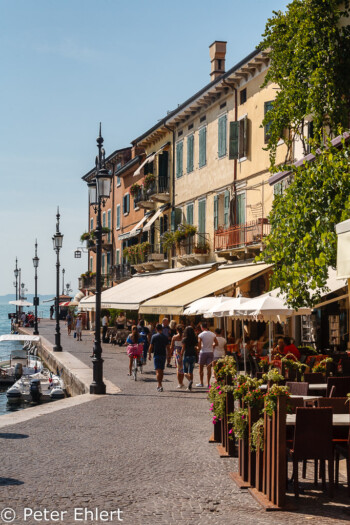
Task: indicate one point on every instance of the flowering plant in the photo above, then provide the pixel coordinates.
(264, 365)
(241, 391)
(322, 365)
(273, 375)
(271, 398)
(149, 180)
(135, 188)
(254, 398)
(225, 366)
(257, 435)
(218, 401)
(239, 421)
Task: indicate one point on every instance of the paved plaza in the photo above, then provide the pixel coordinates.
(143, 452)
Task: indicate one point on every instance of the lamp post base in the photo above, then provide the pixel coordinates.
(35, 332)
(97, 386)
(57, 348)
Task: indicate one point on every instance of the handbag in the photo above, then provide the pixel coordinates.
(75, 335)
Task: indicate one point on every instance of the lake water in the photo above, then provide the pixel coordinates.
(7, 346)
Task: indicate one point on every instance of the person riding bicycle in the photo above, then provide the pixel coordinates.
(135, 347)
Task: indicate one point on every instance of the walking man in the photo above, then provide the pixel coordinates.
(158, 346)
(206, 342)
(166, 332)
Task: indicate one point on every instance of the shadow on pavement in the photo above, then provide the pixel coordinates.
(10, 481)
(13, 436)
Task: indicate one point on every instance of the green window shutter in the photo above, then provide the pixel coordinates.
(227, 209)
(189, 213)
(128, 203)
(202, 147)
(118, 216)
(216, 212)
(179, 159)
(103, 261)
(117, 257)
(234, 136)
(108, 261)
(243, 137)
(104, 219)
(109, 224)
(201, 216)
(91, 224)
(222, 136)
(190, 153)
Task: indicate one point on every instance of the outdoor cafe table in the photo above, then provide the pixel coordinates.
(318, 386)
(339, 420)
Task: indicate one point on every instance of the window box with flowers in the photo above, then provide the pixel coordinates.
(135, 189)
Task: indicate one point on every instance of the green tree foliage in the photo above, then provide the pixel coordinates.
(302, 243)
(309, 49)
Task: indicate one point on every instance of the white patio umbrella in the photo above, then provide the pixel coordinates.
(269, 309)
(230, 308)
(21, 302)
(203, 305)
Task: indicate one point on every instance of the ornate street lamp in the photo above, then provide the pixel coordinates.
(99, 190)
(16, 272)
(57, 240)
(36, 298)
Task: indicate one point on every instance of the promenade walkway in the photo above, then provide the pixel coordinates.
(144, 452)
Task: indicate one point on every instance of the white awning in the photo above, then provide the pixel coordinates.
(148, 159)
(155, 217)
(138, 228)
(343, 249)
(131, 293)
(21, 302)
(225, 277)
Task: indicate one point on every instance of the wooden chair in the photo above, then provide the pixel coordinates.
(341, 386)
(314, 378)
(294, 402)
(298, 389)
(336, 403)
(310, 443)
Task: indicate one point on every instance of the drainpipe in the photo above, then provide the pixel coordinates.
(173, 176)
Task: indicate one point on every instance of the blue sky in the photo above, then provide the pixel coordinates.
(69, 64)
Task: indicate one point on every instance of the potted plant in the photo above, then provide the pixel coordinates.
(135, 188)
(149, 181)
(168, 241)
(203, 248)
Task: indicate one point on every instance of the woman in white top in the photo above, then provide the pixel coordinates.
(220, 349)
(176, 348)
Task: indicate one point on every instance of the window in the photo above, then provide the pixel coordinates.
(190, 126)
(189, 213)
(119, 165)
(243, 96)
(109, 225)
(190, 142)
(179, 159)
(202, 147)
(91, 264)
(126, 203)
(267, 108)
(91, 224)
(222, 136)
(202, 119)
(117, 257)
(118, 217)
(180, 133)
(223, 105)
(280, 187)
(148, 168)
(238, 148)
(104, 219)
(108, 261)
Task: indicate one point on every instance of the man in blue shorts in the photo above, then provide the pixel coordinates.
(158, 346)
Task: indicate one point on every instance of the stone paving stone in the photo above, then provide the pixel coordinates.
(141, 451)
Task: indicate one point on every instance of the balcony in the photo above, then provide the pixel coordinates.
(120, 272)
(88, 282)
(153, 259)
(155, 190)
(241, 238)
(106, 246)
(195, 249)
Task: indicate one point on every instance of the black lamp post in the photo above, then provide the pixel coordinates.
(57, 240)
(36, 264)
(99, 190)
(16, 272)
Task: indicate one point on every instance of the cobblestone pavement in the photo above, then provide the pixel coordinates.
(144, 452)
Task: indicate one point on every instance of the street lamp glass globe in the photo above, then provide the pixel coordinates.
(16, 272)
(36, 261)
(92, 193)
(57, 240)
(103, 182)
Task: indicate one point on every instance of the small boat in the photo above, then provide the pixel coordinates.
(38, 388)
(21, 362)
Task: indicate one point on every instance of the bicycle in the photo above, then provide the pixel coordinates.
(136, 365)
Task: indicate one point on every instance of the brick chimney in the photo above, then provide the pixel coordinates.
(217, 53)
